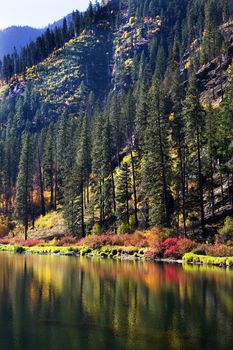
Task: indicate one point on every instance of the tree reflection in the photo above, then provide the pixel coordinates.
(68, 303)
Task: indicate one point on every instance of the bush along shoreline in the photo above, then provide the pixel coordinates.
(152, 245)
(208, 260)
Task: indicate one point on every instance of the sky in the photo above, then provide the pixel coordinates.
(36, 13)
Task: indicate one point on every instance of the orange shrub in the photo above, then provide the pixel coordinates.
(155, 237)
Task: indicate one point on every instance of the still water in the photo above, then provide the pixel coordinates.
(64, 303)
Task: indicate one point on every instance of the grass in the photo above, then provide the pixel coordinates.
(39, 249)
(207, 260)
(53, 218)
(109, 251)
(103, 252)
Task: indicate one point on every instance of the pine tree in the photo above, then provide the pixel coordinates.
(211, 122)
(109, 196)
(123, 194)
(178, 145)
(49, 163)
(24, 184)
(129, 111)
(71, 209)
(156, 165)
(141, 118)
(40, 174)
(65, 35)
(115, 119)
(194, 132)
(97, 170)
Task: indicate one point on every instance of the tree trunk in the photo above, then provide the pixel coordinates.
(41, 185)
(134, 190)
(114, 200)
(222, 191)
(182, 176)
(165, 194)
(200, 184)
(26, 231)
(101, 204)
(212, 189)
(51, 193)
(127, 194)
(82, 212)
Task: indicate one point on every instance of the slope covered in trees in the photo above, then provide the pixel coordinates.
(16, 37)
(102, 119)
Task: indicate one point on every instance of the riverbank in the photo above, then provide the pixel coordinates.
(197, 259)
(114, 252)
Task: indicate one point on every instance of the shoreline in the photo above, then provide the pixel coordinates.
(118, 253)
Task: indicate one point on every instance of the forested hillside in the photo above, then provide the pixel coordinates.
(121, 119)
(15, 38)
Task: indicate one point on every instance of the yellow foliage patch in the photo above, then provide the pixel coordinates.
(172, 117)
(50, 220)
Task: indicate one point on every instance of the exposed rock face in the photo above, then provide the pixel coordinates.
(213, 79)
(213, 76)
(16, 88)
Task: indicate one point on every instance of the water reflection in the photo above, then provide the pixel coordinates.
(68, 303)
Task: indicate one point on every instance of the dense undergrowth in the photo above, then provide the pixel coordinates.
(208, 260)
(151, 244)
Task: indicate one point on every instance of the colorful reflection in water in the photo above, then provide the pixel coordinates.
(60, 303)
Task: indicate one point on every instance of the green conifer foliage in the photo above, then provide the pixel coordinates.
(23, 201)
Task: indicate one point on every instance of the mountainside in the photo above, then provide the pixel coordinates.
(124, 115)
(16, 37)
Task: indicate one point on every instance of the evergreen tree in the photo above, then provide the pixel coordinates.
(156, 164)
(141, 118)
(123, 194)
(194, 132)
(49, 164)
(23, 201)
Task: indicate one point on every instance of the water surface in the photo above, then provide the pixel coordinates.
(65, 303)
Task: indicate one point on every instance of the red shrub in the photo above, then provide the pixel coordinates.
(175, 248)
(27, 243)
(219, 250)
(136, 240)
(66, 241)
(6, 241)
(120, 240)
(169, 242)
(185, 245)
(171, 252)
(96, 242)
(153, 253)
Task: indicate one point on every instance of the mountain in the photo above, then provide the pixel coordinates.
(126, 118)
(17, 37)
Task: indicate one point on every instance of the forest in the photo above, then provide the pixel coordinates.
(126, 137)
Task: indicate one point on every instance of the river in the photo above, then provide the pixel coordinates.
(66, 303)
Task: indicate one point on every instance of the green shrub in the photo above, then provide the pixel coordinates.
(132, 222)
(123, 228)
(201, 249)
(19, 249)
(96, 230)
(229, 262)
(3, 230)
(226, 232)
(208, 260)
